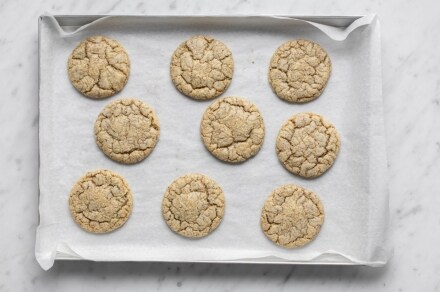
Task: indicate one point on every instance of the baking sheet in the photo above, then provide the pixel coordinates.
(354, 191)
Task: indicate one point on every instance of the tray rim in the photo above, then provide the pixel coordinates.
(79, 20)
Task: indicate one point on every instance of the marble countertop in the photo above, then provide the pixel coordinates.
(411, 89)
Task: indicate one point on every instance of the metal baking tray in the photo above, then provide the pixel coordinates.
(353, 96)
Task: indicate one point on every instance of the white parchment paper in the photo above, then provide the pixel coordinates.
(354, 191)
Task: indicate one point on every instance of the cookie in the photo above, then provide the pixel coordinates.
(127, 130)
(99, 67)
(100, 201)
(232, 129)
(307, 144)
(299, 71)
(193, 205)
(202, 67)
(292, 216)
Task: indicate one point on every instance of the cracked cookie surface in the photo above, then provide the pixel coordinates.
(292, 216)
(100, 201)
(99, 67)
(193, 205)
(299, 71)
(202, 67)
(127, 130)
(232, 129)
(307, 145)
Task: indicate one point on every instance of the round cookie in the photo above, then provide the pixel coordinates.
(193, 205)
(299, 71)
(99, 67)
(232, 129)
(202, 67)
(127, 130)
(100, 201)
(307, 144)
(292, 216)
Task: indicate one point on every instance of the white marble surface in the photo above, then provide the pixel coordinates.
(411, 84)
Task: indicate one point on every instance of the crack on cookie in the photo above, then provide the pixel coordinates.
(127, 130)
(232, 129)
(292, 223)
(193, 205)
(300, 146)
(203, 70)
(299, 71)
(98, 207)
(98, 80)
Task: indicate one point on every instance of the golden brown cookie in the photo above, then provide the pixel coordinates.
(299, 71)
(292, 216)
(193, 205)
(202, 67)
(100, 201)
(99, 67)
(127, 130)
(232, 129)
(307, 145)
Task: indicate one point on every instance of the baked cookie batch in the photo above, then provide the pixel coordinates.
(232, 129)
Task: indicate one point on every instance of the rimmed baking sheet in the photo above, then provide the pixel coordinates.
(354, 191)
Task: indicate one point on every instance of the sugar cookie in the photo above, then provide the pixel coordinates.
(299, 71)
(99, 67)
(292, 216)
(100, 201)
(202, 67)
(307, 145)
(232, 129)
(127, 130)
(193, 205)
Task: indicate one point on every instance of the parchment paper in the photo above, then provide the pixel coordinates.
(354, 191)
